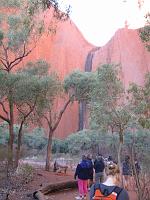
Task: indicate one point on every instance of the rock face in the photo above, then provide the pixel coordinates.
(125, 48)
(65, 51)
(68, 50)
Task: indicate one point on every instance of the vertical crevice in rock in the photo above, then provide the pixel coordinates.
(82, 104)
(109, 52)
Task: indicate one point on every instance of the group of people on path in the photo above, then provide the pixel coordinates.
(101, 178)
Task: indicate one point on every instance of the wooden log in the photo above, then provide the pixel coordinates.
(39, 195)
(59, 186)
(54, 188)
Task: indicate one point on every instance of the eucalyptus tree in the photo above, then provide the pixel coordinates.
(29, 94)
(109, 111)
(47, 112)
(80, 84)
(28, 89)
(22, 24)
(105, 95)
(139, 98)
(145, 32)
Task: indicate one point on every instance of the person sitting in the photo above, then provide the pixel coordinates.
(59, 167)
(109, 189)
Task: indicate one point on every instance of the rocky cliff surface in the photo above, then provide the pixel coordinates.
(68, 50)
(125, 48)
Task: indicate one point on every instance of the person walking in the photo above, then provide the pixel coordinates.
(109, 189)
(126, 172)
(99, 167)
(81, 173)
(90, 171)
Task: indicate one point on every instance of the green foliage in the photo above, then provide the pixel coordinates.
(10, 3)
(1, 36)
(35, 139)
(108, 85)
(4, 133)
(79, 142)
(91, 141)
(145, 32)
(32, 92)
(30, 88)
(108, 110)
(59, 146)
(1, 18)
(140, 140)
(94, 141)
(14, 21)
(80, 84)
(39, 68)
(24, 25)
(140, 101)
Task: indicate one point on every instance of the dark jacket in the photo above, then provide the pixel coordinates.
(126, 168)
(123, 195)
(90, 168)
(99, 165)
(82, 170)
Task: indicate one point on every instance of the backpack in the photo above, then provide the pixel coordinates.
(98, 195)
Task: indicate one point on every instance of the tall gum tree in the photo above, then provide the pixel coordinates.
(109, 110)
(21, 22)
(47, 112)
(103, 92)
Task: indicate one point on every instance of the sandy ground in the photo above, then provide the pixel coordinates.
(43, 178)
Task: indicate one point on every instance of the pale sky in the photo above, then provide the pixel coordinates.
(98, 20)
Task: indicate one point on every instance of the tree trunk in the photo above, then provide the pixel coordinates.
(119, 154)
(51, 131)
(39, 195)
(55, 187)
(11, 133)
(48, 155)
(18, 145)
(140, 197)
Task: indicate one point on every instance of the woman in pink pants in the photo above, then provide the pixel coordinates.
(81, 172)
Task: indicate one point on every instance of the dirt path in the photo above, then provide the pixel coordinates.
(71, 194)
(42, 179)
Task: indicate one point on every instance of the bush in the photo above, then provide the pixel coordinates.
(36, 139)
(33, 140)
(141, 145)
(90, 141)
(59, 146)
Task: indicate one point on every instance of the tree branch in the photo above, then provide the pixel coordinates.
(60, 114)
(16, 61)
(31, 110)
(5, 119)
(2, 58)
(4, 109)
(3, 63)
